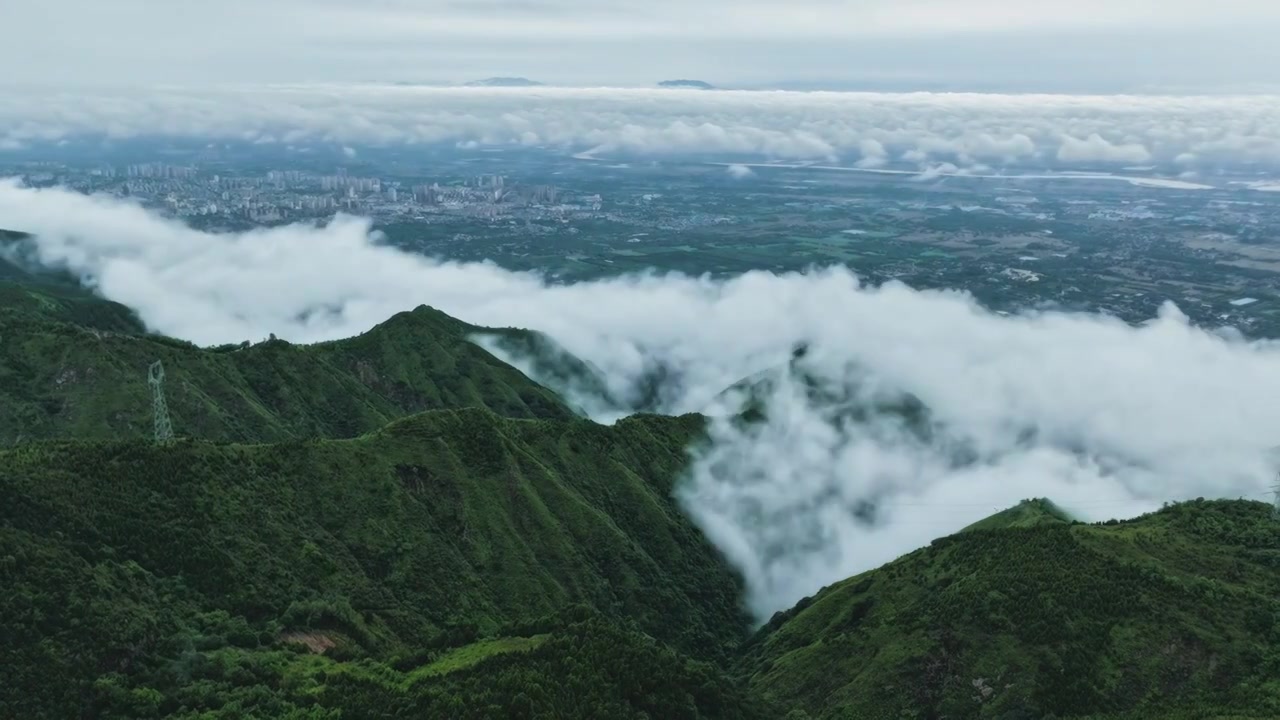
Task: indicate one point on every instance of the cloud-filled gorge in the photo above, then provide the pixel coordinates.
(911, 413)
(1177, 134)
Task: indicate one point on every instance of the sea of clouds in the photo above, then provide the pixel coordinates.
(1107, 419)
(1186, 134)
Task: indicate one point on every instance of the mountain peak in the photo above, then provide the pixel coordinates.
(504, 82)
(693, 84)
(1028, 513)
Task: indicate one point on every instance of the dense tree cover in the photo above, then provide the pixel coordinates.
(54, 295)
(1174, 614)
(69, 380)
(582, 666)
(593, 669)
(445, 520)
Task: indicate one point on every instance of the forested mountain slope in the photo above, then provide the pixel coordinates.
(1172, 615)
(589, 669)
(55, 295)
(60, 379)
(119, 556)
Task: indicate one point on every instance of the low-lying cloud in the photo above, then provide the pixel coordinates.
(1097, 149)
(869, 129)
(1105, 418)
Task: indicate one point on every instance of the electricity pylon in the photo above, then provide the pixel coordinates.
(159, 409)
(1275, 498)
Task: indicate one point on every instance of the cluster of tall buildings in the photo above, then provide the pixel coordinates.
(433, 194)
(315, 203)
(343, 182)
(282, 195)
(161, 171)
(538, 194)
(285, 176)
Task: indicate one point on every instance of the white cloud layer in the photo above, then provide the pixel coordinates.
(869, 129)
(1104, 418)
(1097, 149)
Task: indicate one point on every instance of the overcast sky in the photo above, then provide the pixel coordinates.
(1051, 45)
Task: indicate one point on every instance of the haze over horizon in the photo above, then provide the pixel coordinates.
(986, 45)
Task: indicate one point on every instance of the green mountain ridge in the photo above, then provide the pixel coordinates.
(55, 295)
(74, 365)
(1028, 513)
(59, 379)
(1171, 615)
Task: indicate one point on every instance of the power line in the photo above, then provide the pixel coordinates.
(159, 409)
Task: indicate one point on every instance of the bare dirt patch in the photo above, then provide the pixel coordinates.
(316, 642)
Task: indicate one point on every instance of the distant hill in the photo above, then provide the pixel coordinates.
(696, 84)
(1172, 615)
(504, 82)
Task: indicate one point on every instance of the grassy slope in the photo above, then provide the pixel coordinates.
(469, 656)
(1171, 615)
(116, 555)
(59, 379)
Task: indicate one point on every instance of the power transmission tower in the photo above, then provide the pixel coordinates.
(159, 409)
(1275, 498)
